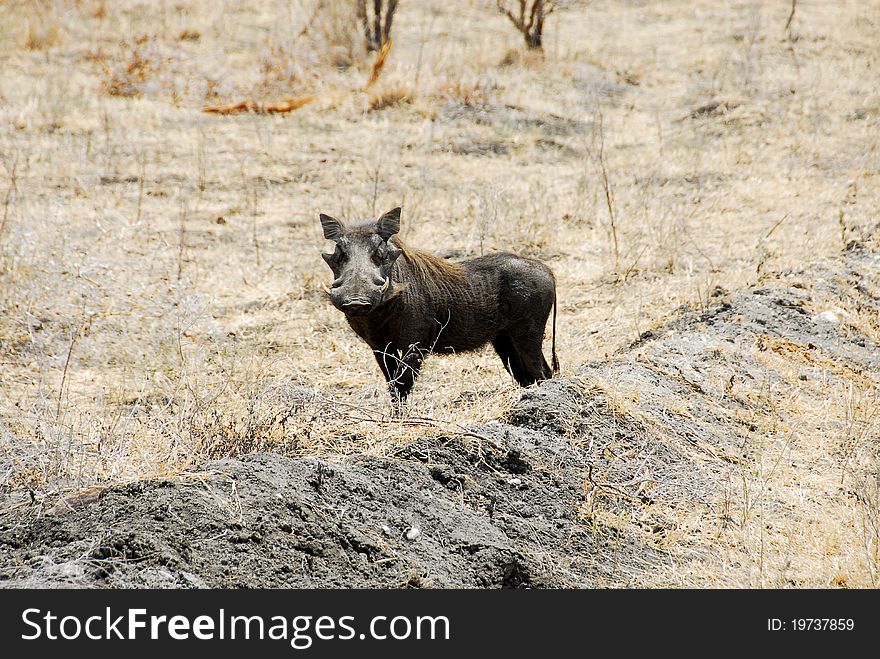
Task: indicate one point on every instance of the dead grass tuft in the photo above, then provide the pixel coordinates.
(189, 34)
(470, 91)
(388, 95)
(42, 35)
(137, 62)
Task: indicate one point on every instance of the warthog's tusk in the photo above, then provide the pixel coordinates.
(326, 290)
(385, 285)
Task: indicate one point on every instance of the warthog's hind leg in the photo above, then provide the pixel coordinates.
(504, 347)
(527, 342)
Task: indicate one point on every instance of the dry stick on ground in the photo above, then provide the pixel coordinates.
(385, 419)
(776, 226)
(608, 486)
(278, 107)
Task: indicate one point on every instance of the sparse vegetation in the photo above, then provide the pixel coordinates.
(160, 298)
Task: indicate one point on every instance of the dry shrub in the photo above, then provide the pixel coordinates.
(189, 34)
(474, 92)
(138, 62)
(333, 29)
(280, 68)
(42, 35)
(388, 95)
(511, 57)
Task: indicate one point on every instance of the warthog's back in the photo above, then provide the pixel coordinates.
(519, 285)
(462, 306)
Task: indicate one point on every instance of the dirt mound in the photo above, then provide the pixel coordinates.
(583, 483)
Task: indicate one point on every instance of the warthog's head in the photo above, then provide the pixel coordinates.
(361, 262)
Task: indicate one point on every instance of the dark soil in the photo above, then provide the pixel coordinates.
(572, 488)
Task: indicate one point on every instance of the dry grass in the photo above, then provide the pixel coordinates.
(159, 268)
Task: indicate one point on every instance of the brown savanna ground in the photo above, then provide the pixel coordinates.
(160, 297)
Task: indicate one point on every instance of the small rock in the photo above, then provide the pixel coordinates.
(832, 316)
(514, 481)
(413, 533)
(386, 529)
(193, 580)
(872, 102)
(78, 499)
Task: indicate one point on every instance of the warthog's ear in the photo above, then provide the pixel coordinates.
(388, 224)
(333, 228)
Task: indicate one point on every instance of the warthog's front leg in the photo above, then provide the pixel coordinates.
(407, 371)
(400, 372)
(387, 360)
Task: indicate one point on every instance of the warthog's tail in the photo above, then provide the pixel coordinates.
(555, 359)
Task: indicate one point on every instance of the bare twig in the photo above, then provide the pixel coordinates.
(200, 156)
(776, 226)
(791, 17)
(529, 19)
(376, 174)
(421, 49)
(137, 219)
(64, 374)
(13, 187)
(632, 267)
(372, 415)
(181, 235)
(254, 222)
(607, 486)
(609, 196)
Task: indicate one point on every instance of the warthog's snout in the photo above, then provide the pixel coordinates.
(358, 298)
(357, 306)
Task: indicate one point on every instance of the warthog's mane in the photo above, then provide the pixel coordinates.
(429, 273)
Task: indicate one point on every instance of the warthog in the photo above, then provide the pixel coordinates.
(406, 303)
